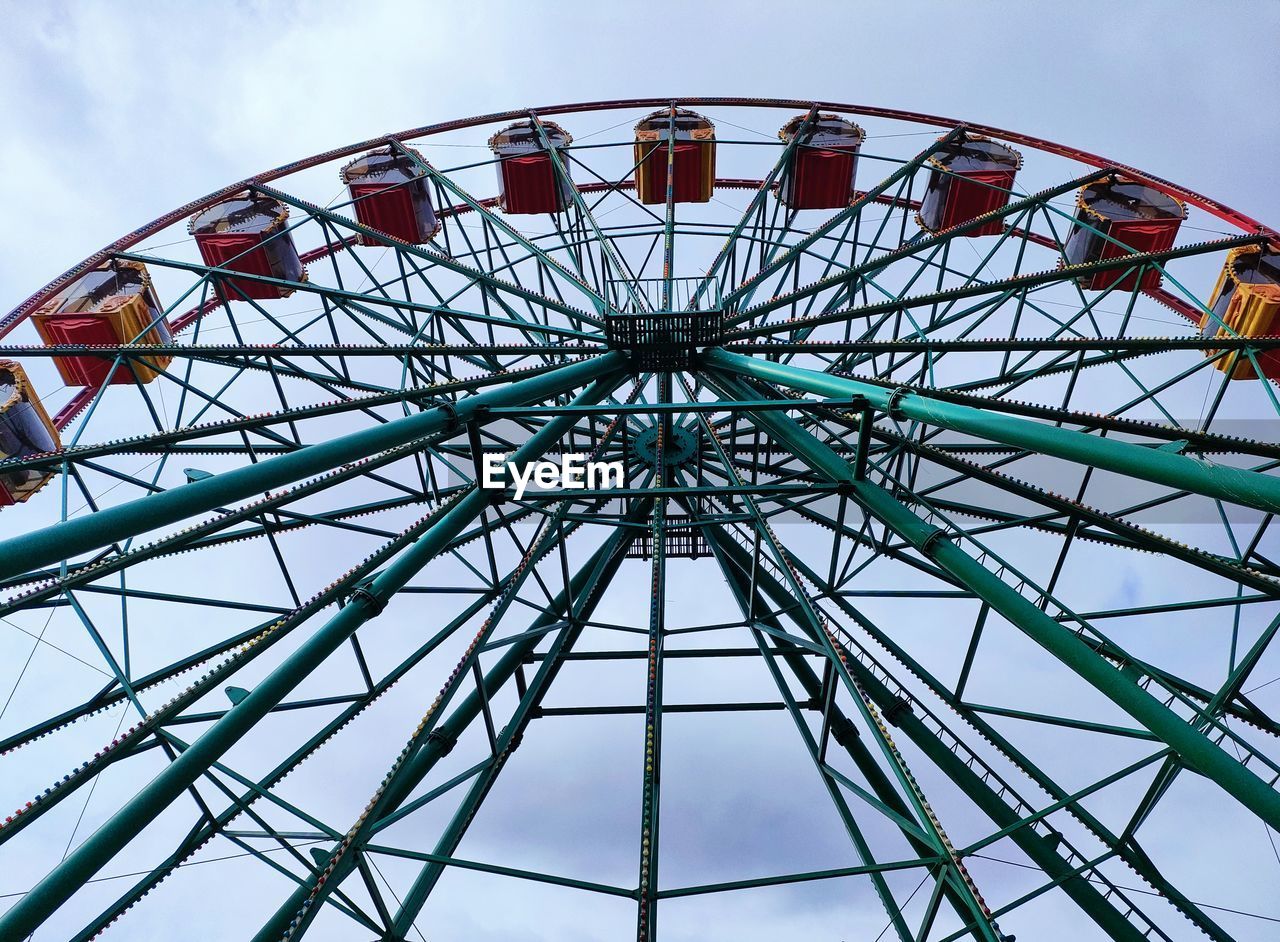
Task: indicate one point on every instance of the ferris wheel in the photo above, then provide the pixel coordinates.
(936, 472)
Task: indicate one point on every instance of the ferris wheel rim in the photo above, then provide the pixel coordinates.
(939, 537)
(1224, 212)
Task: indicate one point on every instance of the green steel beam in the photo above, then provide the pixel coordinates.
(495, 220)
(737, 572)
(71, 537)
(295, 915)
(929, 345)
(222, 351)
(607, 249)
(436, 258)
(207, 830)
(757, 201)
(585, 588)
(1250, 488)
(359, 300)
(651, 769)
(1006, 288)
(1039, 848)
(1132, 855)
(1194, 748)
(1205, 442)
(204, 832)
(1140, 538)
(583, 594)
(802, 609)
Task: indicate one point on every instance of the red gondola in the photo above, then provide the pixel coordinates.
(971, 176)
(247, 234)
(25, 430)
(694, 160)
(1138, 217)
(825, 163)
(113, 304)
(528, 183)
(390, 194)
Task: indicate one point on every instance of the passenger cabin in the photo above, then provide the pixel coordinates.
(113, 304)
(389, 192)
(1139, 218)
(1246, 303)
(694, 157)
(25, 430)
(824, 165)
(970, 177)
(528, 183)
(247, 234)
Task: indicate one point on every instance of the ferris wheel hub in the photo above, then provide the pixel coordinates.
(678, 451)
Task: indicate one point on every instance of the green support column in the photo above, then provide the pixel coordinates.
(1192, 746)
(65, 540)
(1248, 488)
(736, 567)
(153, 798)
(585, 590)
(584, 586)
(1039, 848)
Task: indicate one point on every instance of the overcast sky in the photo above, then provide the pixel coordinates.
(115, 113)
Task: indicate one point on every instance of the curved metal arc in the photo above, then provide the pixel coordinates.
(1220, 210)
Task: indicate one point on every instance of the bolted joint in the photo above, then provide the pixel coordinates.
(453, 423)
(516, 739)
(843, 730)
(445, 741)
(928, 547)
(372, 602)
(896, 710)
(895, 397)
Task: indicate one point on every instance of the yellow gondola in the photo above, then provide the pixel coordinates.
(25, 430)
(1246, 303)
(113, 304)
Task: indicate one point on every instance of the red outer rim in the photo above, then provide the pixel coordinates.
(1222, 211)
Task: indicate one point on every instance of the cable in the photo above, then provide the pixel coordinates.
(1137, 889)
(192, 863)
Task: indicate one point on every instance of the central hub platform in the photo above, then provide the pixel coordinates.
(663, 324)
(663, 341)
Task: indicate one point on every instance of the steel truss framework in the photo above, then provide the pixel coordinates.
(903, 455)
